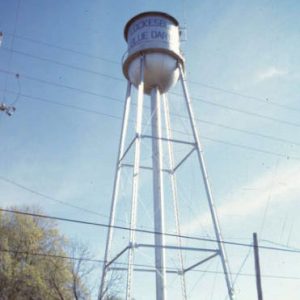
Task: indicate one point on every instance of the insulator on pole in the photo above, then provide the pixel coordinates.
(8, 109)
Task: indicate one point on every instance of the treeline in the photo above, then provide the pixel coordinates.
(26, 274)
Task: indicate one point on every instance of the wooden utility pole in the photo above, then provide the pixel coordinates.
(257, 267)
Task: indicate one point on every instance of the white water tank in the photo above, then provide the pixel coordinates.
(154, 35)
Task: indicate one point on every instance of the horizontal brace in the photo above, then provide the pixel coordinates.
(131, 166)
(184, 159)
(117, 256)
(200, 262)
(142, 270)
(144, 167)
(168, 140)
(176, 247)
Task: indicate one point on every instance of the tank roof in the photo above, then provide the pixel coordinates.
(148, 13)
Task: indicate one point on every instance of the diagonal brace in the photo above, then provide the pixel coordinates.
(184, 159)
(118, 255)
(201, 262)
(128, 148)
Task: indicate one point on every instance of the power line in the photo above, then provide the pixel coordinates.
(258, 99)
(43, 195)
(64, 48)
(82, 222)
(209, 86)
(177, 115)
(135, 264)
(71, 106)
(63, 64)
(269, 137)
(251, 148)
(60, 85)
(49, 197)
(50, 255)
(241, 266)
(245, 147)
(277, 244)
(12, 44)
(252, 275)
(248, 112)
(253, 114)
(242, 111)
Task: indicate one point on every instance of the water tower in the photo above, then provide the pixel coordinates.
(153, 64)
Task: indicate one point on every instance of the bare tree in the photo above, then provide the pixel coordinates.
(31, 259)
(112, 289)
(81, 268)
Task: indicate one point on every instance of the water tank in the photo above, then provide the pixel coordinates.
(155, 35)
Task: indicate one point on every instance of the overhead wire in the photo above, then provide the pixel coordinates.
(146, 231)
(12, 45)
(290, 232)
(209, 86)
(84, 91)
(226, 107)
(53, 61)
(21, 186)
(265, 136)
(51, 255)
(269, 197)
(277, 244)
(64, 86)
(258, 99)
(239, 272)
(86, 110)
(19, 90)
(71, 106)
(184, 6)
(196, 283)
(242, 111)
(135, 264)
(61, 202)
(214, 283)
(148, 266)
(64, 48)
(224, 126)
(286, 156)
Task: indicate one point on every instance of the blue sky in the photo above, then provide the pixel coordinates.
(242, 62)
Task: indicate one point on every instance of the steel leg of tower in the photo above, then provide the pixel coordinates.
(115, 190)
(174, 191)
(135, 180)
(207, 187)
(158, 195)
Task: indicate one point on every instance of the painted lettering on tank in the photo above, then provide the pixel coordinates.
(147, 22)
(160, 35)
(153, 35)
(139, 37)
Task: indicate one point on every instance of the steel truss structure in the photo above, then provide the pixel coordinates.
(159, 103)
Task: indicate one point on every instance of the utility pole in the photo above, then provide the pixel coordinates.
(257, 267)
